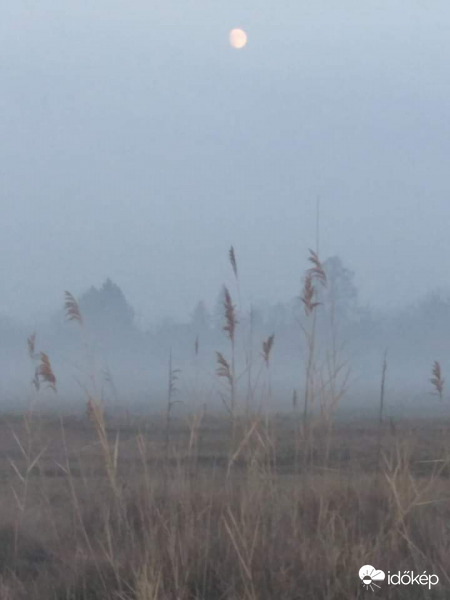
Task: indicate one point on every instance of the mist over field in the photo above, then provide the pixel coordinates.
(130, 362)
(138, 146)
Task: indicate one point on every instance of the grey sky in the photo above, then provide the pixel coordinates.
(136, 144)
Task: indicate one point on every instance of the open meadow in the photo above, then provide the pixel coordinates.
(192, 502)
(117, 507)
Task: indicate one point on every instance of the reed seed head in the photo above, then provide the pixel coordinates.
(72, 308)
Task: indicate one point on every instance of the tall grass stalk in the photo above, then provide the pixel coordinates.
(314, 275)
(171, 402)
(381, 408)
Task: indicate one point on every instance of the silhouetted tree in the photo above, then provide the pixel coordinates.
(107, 308)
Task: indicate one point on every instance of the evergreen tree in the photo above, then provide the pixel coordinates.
(107, 308)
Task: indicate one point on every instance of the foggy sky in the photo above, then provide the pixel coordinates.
(136, 144)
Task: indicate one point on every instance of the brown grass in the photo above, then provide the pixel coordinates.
(184, 530)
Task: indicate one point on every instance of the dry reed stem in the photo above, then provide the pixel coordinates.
(97, 417)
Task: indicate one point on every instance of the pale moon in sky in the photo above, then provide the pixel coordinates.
(238, 38)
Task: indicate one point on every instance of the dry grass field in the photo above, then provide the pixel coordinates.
(242, 505)
(104, 507)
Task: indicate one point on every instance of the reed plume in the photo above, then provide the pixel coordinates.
(437, 381)
(227, 369)
(196, 345)
(267, 347)
(233, 262)
(230, 315)
(45, 371)
(72, 308)
(171, 391)
(316, 271)
(309, 294)
(31, 342)
(173, 378)
(223, 368)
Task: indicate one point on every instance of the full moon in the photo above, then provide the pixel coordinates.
(238, 38)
